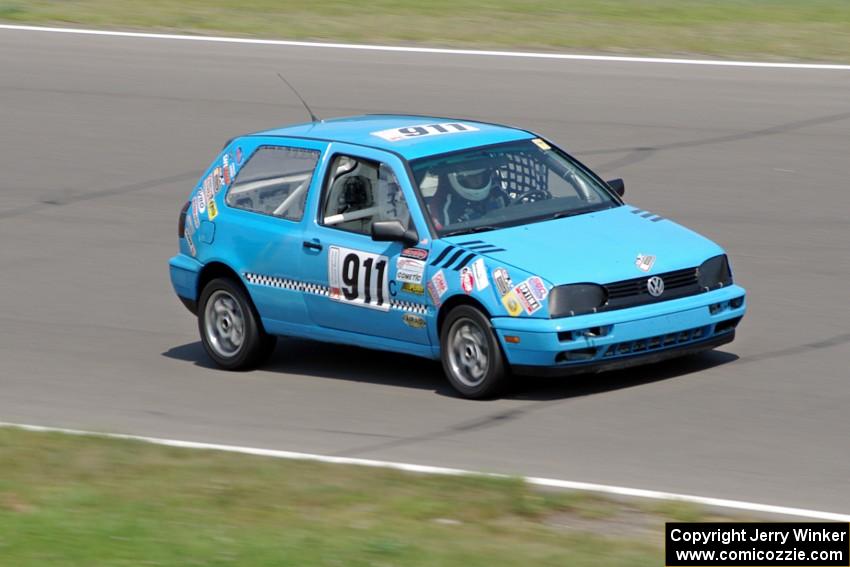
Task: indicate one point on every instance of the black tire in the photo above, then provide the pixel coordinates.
(230, 327)
(472, 357)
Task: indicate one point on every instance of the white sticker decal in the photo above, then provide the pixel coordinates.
(438, 286)
(503, 281)
(480, 273)
(192, 250)
(358, 277)
(467, 280)
(423, 130)
(409, 270)
(526, 298)
(195, 216)
(202, 202)
(541, 144)
(644, 262)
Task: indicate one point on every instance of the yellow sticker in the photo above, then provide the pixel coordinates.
(541, 144)
(416, 289)
(212, 210)
(414, 321)
(512, 304)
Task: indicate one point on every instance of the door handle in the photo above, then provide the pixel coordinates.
(312, 245)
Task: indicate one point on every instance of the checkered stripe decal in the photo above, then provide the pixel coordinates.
(286, 283)
(316, 289)
(419, 308)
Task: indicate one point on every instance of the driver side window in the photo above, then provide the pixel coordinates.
(360, 192)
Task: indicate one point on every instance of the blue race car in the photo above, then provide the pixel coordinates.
(481, 245)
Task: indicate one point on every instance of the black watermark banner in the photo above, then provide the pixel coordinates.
(767, 544)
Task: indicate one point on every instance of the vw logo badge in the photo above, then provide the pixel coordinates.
(655, 286)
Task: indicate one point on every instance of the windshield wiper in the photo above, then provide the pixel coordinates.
(590, 209)
(483, 228)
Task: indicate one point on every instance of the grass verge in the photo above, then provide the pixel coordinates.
(767, 29)
(83, 501)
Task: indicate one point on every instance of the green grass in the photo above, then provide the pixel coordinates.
(768, 29)
(92, 501)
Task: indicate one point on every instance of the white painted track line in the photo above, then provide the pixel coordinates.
(428, 469)
(435, 50)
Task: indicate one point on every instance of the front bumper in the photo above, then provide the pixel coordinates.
(621, 338)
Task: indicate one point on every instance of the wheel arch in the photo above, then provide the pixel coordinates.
(455, 301)
(217, 269)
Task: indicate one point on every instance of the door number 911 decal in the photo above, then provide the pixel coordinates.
(358, 277)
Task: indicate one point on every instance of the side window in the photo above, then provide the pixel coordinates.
(274, 181)
(360, 192)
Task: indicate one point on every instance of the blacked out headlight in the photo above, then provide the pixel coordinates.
(715, 273)
(576, 299)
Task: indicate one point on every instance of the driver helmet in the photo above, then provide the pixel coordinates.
(472, 184)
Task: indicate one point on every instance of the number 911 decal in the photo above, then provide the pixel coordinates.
(358, 277)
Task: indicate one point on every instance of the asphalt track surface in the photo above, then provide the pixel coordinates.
(102, 138)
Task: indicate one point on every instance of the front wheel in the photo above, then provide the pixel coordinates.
(230, 328)
(471, 355)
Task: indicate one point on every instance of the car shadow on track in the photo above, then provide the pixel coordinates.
(340, 362)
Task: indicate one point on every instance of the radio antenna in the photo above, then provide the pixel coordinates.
(313, 117)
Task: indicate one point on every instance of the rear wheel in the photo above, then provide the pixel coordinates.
(471, 355)
(230, 328)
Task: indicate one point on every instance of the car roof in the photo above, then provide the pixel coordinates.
(360, 130)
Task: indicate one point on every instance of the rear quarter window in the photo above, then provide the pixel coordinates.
(274, 181)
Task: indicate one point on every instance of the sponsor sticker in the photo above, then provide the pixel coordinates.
(225, 161)
(413, 321)
(437, 287)
(415, 289)
(511, 303)
(480, 272)
(409, 270)
(217, 179)
(415, 253)
(440, 284)
(212, 210)
(526, 298)
(541, 144)
(538, 288)
(192, 250)
(209, 193)
(467, 280)
(423, 130)
(502, 280)
(644, 262)
(239, 156)
(432, 293)
(202, 202)
(195, 217)
(333, 268)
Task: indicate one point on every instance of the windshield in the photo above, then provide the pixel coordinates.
(505, 185)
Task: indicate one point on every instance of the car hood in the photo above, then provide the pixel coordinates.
(599, 247)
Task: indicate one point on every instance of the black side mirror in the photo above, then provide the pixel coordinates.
(393, 231)
(617, 186)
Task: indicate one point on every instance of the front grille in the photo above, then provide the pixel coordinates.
(629, 293)
(657, 343)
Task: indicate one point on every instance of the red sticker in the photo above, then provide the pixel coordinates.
(467, 281)
(416, 253)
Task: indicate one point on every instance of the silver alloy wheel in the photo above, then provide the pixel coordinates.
(469, 354)
(224, 323)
